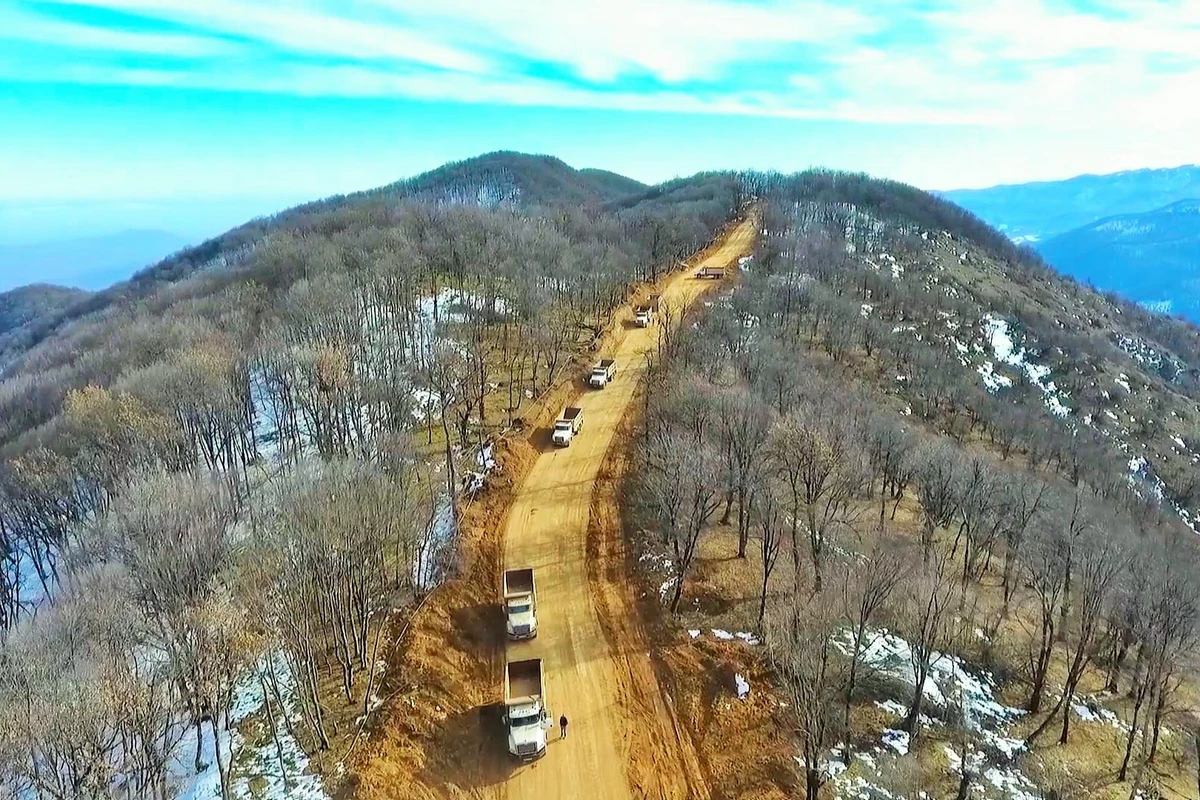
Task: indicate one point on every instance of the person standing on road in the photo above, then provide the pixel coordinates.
(562, 727)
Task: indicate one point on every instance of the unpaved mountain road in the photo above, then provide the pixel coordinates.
(589, 675)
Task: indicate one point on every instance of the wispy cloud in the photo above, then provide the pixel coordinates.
(17, 25)
(1011, 62)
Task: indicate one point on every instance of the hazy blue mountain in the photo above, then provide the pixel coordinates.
(1037, 211)
(91, 262)
(1151, 258)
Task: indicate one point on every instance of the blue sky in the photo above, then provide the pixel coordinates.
(193, 114)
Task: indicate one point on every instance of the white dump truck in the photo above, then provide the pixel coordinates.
(520, 603)
(643, 316)
(603, 371)
(569, 423)
(525, 711)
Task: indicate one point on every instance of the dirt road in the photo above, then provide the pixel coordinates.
(547, 529)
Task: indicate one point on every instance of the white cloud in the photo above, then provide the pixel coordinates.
(671, 40)
(16, 25)
(296, 28)
(1005, 63)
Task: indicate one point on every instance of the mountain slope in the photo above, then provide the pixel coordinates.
(503, 177)
(528, 181)
(1038, 211)
(20, 306)
(952, 412)
(1151, 258)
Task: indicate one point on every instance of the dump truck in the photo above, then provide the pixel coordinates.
(520, 603)
(603, 371)
(715, 273)
(644, 316)
(569, 423)
(525, 711)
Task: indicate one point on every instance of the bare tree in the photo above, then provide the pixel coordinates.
(872, 581)
(1044, 571)
(812, 673)
(768, 515)
(936, 474)
(818, 458)
(928, 624)
(889, 448)
(743, 421)
(682, 484)
(1098, 557)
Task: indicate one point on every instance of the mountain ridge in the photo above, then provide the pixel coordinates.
(1152, 258)
(1039, 210)
(495, 178)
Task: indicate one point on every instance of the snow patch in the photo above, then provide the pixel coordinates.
(897, 740)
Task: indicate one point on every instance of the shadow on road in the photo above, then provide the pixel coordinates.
(472, 748)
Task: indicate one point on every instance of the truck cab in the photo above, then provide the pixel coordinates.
(644, 316)
(522, 622)
(525, 713)
(602, 373)
(520, 603)
(569, 423)
(527, 726)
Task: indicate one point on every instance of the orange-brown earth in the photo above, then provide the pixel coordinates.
(440, 733)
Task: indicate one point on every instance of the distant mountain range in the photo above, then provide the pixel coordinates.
(1151, 258)
(92, 262)
(1134, 233)
(1037, 211)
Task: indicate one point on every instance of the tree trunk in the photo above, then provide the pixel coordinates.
(678, 595)
(743, 523)
(1114, 669)
(275, 731)
(199, 763)
(964, 783)
(853, 676)
(1066, 725)
(1159, 708)
(912, 721)
(221, 771)
(812, 783)
(1123, 773)
(762, 599)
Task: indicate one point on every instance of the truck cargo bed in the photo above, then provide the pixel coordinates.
(524, 680)
(518, 581)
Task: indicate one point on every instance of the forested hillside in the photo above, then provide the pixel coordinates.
(22, 309)
(951, 493)
(494, 179)
(18, 307)
(255, 454)
(914, 513)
